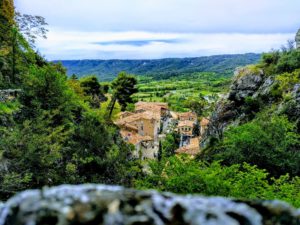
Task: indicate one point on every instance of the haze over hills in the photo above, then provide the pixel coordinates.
(160, 68)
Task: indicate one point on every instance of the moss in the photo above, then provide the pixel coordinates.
(248, 70)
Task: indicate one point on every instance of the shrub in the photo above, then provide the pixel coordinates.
(184, 175)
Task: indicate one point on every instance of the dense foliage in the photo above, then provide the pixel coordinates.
(55, 131)
(56, 138)
(184, 175)
(271, 143)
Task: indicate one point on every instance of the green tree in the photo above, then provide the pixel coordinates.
(184, 175)
(33, 150)
(92, 88)
(46, 89)
(6, 26)
(124, 86)
(169, 145)
(271, 143)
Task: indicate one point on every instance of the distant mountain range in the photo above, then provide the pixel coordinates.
(160, 68)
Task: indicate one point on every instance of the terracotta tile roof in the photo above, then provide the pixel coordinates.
(187, 115)
(154, 107)
(187, 123)
(174, 115)
(129, 126)
(204, 122)
(137, 116)
(125, 114)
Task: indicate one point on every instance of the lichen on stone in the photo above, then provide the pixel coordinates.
(108, 205)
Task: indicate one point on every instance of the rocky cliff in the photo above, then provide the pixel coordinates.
(298, 39)
(251, 91)
(109, 205)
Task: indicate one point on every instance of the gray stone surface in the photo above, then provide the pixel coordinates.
(297, 39)
(246, 84)
(108, 205)
(8, 94)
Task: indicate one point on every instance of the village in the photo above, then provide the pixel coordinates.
(152, 121)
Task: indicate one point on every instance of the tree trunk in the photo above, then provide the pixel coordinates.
(112, 105)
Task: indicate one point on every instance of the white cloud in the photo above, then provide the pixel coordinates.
(169, 28)
(107, 45)
(250, 16)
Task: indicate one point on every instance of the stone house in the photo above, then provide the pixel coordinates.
(203, 125)
(185, 127)
(192, 148)
(144, 145)
(142, 127)
(159, 108)
(191, 116)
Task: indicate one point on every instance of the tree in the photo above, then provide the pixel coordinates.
(6, 26)
(18, 33)
(124, 86)
(31, 27)
(169, 145)
(271, 143)
(46, 89)
(92, 88)
(55, 138)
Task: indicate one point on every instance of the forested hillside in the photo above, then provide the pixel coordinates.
(161, 68)
(52, 129)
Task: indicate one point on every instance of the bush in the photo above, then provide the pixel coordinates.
(271, 143)
(183, 175)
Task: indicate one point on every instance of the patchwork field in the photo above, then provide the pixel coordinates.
(180, 92)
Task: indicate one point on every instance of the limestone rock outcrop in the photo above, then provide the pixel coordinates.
(297, 39)
(230, 110)
(249, 83)
(109, 205)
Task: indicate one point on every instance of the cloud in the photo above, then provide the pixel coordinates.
(228, 16)
(135, 42)
(142, 45)
(162, 28)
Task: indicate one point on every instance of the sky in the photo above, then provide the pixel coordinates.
(151, 29)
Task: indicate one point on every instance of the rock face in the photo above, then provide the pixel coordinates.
(298, 40)
(109, 205)
(249, 83)
(230, 110)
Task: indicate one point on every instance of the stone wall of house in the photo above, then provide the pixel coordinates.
(109, 205)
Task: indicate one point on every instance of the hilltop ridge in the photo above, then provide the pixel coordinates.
(159, 68)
